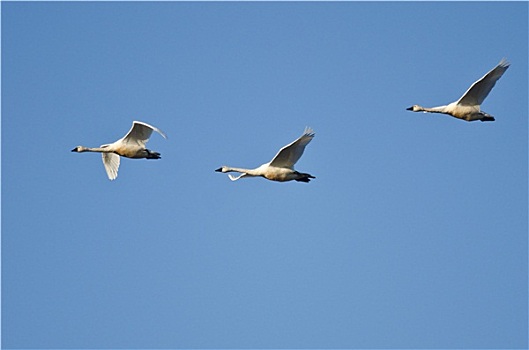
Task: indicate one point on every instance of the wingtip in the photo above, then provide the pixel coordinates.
(504, 63)
(233, 178)
(151, 127)
(164, 135)
(309, 131)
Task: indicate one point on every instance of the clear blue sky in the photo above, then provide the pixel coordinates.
(412, 235)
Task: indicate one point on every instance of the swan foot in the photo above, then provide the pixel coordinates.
(485, 117)
(152, 155)
(488, 119)
(305, 178)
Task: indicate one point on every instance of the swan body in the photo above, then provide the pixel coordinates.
(132, 145)
(468, 106)
(281, 167)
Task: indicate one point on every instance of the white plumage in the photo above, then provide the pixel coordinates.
(281, 167)
(468, 106)
(132, 145)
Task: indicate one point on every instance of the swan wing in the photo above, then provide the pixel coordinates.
(140, 133)
(475, 95)
(235, 178)
(111, 163)
(290, 154)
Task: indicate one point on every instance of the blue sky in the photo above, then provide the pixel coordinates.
(412, 235)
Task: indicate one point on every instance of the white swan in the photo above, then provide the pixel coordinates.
(468, 106)
(131, 145)
(281, 168)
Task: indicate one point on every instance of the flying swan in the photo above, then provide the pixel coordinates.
(281, 168)
(468, 106)
(131, 145)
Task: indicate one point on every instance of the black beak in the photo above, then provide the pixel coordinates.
(219, 170)
(409, 108)
(74, 150)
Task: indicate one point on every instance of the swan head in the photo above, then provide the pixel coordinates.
(222, 169)
(79, 149)
(414, 108)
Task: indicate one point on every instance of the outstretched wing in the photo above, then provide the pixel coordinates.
(290, 154)
(111, 163)
(481, 88)
(140, 133)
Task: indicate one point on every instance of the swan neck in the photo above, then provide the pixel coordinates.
(440, 109)
(97, 149)
(249, 172)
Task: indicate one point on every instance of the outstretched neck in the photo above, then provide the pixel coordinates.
(104, 149)
(248, 172)
(440, 109)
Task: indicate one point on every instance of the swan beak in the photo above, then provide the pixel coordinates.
(219, 170)
(409, 108)
(74, 150)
